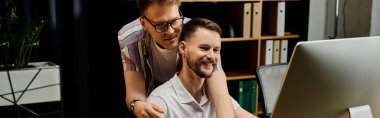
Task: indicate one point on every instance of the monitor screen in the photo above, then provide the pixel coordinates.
(327, 77)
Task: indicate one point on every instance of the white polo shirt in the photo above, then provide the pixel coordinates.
(177, 102)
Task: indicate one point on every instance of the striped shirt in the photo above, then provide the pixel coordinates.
(134, 45)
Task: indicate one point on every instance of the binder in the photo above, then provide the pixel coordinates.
(247, 95)
(276, 22)
(254, 96)
(241, 96)
(268, 52)
(256, 19)
(276, 51)
(247, 20)
(280, 19)
(284, 51)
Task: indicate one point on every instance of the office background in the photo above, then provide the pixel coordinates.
(81, 37)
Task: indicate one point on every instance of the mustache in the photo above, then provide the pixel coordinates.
(206, 60)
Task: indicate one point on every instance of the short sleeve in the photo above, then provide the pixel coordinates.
(128, 64)
(128, 36)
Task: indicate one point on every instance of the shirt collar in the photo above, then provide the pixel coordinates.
(183, 95)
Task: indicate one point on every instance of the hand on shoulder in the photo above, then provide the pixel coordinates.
(148, 110)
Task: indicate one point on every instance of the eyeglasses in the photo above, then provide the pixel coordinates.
(175, 24)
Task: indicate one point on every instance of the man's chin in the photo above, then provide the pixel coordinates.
(207, 73)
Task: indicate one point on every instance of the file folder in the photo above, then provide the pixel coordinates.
(276, 51)
(256, 19)
(284, 51)
(247, 20)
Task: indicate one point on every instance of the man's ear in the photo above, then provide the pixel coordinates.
(142, 22)
(182, 47)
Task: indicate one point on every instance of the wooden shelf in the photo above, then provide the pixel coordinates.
(279, 0)
(264, 37)
(219, 0)
(239, 39)
(235, 0)
(233, 75)
(260, 108)
(286, 36)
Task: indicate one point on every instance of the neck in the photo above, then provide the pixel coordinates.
(192, 82)
(159, 45)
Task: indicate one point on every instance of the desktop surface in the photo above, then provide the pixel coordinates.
(327, 77)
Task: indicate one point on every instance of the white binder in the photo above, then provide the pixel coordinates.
(284, 51)
(269, 52)
(280, 19)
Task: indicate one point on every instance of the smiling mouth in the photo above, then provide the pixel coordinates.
(208, 64)
(169, 39)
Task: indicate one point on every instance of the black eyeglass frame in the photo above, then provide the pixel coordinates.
(166, 23)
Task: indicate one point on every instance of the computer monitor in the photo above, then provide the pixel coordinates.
(327, 77)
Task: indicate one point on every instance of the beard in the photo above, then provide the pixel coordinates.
(195, 65)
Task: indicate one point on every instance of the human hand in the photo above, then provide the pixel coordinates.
(148, 110)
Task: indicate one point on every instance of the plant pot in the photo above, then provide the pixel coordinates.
(22, 87)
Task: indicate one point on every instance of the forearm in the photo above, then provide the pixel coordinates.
(135, 86)
(218, 92)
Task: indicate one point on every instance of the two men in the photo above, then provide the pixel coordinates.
(184, 94)
(150, 55)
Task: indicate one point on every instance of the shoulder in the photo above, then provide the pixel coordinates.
(130, 33)
(129, 28)
(162, 96)
(163, 90)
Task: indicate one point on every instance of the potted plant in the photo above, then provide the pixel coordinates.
(23, 82)
(17, 39)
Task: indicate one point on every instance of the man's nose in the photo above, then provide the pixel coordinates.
(211, 56)
(170, 29)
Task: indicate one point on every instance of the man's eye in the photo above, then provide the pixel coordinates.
(204, 48)
(160, 26)
(216, 50)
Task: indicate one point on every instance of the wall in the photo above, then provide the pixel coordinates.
(375, 27)
(321, 19)
(317, 20)
(354, 18)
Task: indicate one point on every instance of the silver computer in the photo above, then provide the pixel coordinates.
(327, 77)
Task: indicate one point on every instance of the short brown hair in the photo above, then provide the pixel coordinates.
(142, 5)
(189, 28)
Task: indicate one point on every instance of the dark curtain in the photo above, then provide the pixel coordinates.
(81, 37)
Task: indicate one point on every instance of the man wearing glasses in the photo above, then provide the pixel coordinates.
(150, 55)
